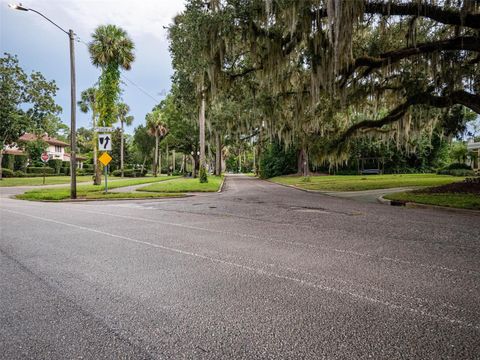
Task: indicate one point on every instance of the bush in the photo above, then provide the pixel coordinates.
(56, 164)
(457, 166)
(277, 161)
(130, 173)
(203, 175)
(456, 172)
(7, 173)
(20, 162)
(19, 173)
(40, 170)
(8, 161)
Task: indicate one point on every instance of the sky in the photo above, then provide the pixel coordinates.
(40, 46)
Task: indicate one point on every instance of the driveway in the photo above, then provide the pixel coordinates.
(258, 271)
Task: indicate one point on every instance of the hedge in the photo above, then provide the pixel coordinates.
(7, 173)
(457, 166)
(130, 173)
(456, 172)
(40, 170)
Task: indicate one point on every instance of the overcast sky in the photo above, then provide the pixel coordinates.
(41, 46)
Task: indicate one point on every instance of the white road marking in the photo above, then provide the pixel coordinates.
(262, 272)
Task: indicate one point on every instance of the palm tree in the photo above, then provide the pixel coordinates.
(123, 117)
(112, 50)
(156, 127)
(88, 102)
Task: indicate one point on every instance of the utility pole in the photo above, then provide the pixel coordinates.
(73, 125)
(202, 131)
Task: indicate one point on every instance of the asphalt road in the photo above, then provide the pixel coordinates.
(260, 271)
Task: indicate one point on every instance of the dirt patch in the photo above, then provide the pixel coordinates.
(468, 186)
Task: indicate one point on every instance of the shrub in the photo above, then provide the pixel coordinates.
(20, 162)
(7, 173)
(8, 161)
(56, 164)
(457, 166)
(19, 173)
(203, 175)
(40, 170)
(456, 172)
(130, 173)
(277, 161)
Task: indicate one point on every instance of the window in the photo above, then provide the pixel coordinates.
(58, 149)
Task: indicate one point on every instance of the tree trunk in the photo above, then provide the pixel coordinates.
(196, 165)
(302, 162)
(121, 148)
(202, 131)
(144, 161)
(168, 161)
(155, 161)
(173, 160)
(218, 154)
(1, 159)
(159, 162)
(97, 176)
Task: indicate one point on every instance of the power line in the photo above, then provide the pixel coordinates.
(145, 92)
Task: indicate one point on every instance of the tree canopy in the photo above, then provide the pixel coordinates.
(324, 72)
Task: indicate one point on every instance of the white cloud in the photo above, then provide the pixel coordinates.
(138, 18)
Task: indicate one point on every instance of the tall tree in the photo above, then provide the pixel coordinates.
(127, 120)
(156, 127)
(112, 50)
(88, 102)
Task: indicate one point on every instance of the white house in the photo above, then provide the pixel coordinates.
(55, 149)
(474, 147)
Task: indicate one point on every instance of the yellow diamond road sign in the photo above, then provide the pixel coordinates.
(105, 159)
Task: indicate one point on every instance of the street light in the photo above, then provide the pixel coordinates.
(73, 141)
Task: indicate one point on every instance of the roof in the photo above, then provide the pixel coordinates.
(48, 139)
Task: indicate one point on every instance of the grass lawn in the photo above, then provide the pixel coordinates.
(35, 181)
(185, 185)
(463, 201)
(364, 182)
(94, 191)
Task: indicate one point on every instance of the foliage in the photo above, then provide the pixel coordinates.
(40, 170)
(26, 102)
(111, 49)
(130, 173)
(56, 164)
(203, 175)
(143, 144)
(457, 166)
(19, 173)
(277, 161)
(8, 173)
(34, 150)
(457, 172)
(320, 74)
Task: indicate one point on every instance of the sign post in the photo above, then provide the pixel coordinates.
(105, 160)
(44, 158)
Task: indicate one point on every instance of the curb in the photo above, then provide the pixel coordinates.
(112, 199)
(414, 205)
(222, 184)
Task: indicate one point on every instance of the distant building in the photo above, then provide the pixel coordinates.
(474, 160)
(55, 149)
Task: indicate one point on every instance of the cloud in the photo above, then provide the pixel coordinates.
(139, 18)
